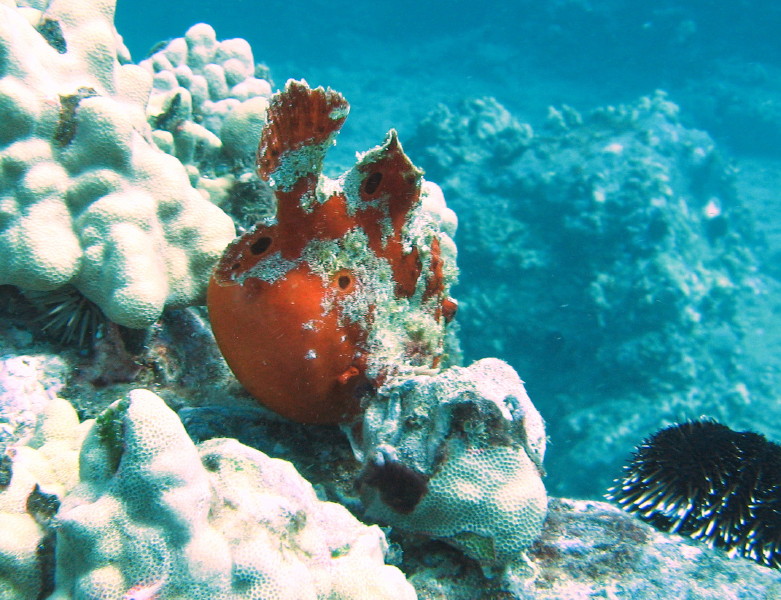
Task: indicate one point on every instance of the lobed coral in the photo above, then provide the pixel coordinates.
(153, 512)
(207, 107)
(136, 506)
(78, 165)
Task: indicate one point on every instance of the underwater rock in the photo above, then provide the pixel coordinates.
(622, 268)
(592, 550)
(457, 456)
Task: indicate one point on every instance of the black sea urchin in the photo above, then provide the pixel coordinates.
(703, 480)
(67, 315)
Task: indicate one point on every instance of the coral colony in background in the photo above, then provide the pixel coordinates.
(622, 266)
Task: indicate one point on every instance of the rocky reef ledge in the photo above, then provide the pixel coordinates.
(590, 549)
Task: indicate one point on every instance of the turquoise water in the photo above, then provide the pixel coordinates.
(620, 320)
(528, 55)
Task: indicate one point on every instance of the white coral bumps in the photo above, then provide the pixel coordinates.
(202, 90)
(86, 197)
(155, 513)
(207, 108)
(458, 456)
(33, 480)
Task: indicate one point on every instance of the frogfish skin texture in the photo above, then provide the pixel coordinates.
(346, 286)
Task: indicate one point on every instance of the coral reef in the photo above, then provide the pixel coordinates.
(348, 285)
(621, 263)
(739, 104)
(113, 182)
(140, 507)
(78, 165)
(590, 550)
(220, 520)
(458, 456)
(34, 479)
(145, 491)
(207, 108)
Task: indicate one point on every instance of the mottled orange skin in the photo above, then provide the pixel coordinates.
(300, 360)
(281, 322)
(307, 374)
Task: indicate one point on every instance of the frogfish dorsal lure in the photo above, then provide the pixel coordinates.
(348, 285)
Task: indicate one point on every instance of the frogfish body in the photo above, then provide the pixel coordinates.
(348, 284)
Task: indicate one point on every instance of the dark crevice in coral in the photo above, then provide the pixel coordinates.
(250, 201)
(45, 555)
(66, 125)
(52, 32)
(42, 506)
(6, 471)
(400, 487)
(171, 116)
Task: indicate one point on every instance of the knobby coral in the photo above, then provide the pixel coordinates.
(140, 508)
(86, 197)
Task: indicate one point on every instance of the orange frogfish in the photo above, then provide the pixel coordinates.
(348, 285)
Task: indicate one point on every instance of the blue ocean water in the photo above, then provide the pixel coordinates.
(603, 369)
(394, 60)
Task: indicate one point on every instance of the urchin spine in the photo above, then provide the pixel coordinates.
(703, 480)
